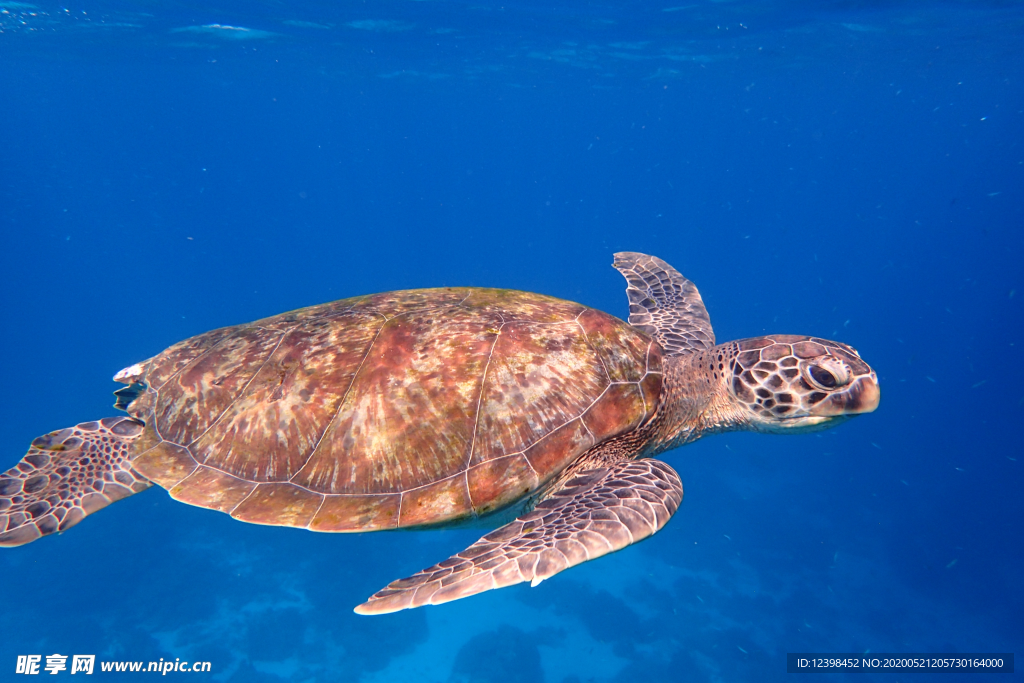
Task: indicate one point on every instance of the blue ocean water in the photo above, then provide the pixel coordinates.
(852, 170)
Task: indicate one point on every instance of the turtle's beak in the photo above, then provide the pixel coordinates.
(861, 397)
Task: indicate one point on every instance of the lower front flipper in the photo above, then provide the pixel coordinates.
(595, 512)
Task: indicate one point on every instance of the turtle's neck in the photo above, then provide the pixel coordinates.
(695, 403)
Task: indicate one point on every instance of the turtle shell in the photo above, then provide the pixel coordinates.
(393, 410)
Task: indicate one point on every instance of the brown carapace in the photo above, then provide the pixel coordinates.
(436, 407)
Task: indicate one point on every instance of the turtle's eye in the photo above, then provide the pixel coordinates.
(826, 373)
(822, 377)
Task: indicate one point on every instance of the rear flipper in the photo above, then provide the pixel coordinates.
(67, 475)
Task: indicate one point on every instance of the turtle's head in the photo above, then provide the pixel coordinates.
(787, 383)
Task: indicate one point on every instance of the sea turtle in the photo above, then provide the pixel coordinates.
(436, 407)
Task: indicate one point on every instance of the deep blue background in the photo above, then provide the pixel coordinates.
(848, 170)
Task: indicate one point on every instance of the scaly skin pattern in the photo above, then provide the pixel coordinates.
(394, 410)
(776, 383)
(67, 475)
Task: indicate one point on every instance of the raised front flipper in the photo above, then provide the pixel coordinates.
(664, 304)
(67, 475)
(594, 513)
